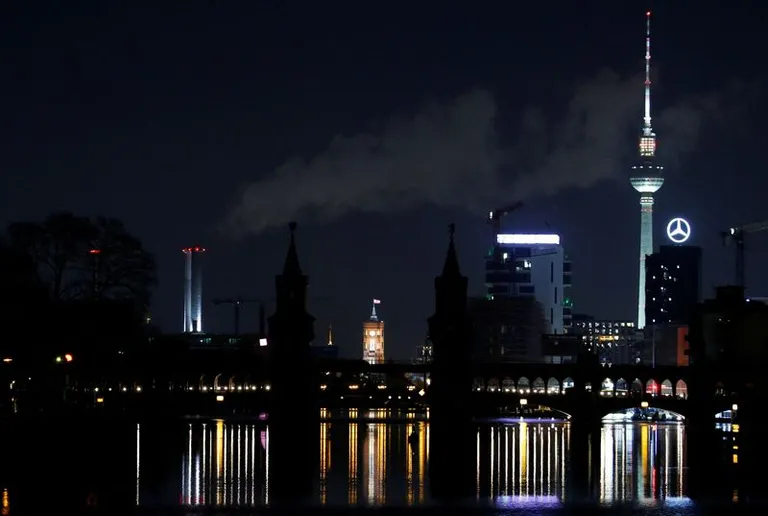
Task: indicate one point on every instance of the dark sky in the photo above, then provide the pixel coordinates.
(376, 126)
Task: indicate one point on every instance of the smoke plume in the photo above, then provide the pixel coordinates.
(451, 155)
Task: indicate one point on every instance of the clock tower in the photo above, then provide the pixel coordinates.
(373, 337)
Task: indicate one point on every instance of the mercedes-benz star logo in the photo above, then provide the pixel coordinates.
(678, 230)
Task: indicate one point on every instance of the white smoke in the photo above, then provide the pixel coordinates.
(449, 155)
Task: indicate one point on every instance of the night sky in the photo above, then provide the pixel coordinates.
(375, 125)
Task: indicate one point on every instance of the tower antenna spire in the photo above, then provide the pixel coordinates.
(647, 131)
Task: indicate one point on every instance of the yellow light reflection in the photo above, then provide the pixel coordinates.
(352, 465)
(374, 458)
(522, 481)
(5, 503)
(325, 460)
(409, 499)
(220, 471)
(423, 458)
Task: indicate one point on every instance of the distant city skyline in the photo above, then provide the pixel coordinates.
(206, 124)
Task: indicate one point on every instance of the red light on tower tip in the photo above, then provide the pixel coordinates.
(95, 251)
(648, 13)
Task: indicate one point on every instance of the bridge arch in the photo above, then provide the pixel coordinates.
(507, 385)
(216, 382)
(478, 384)
(637, 386)
(652, 387)
(681, 389)
(621, 386)
(568, 383)
(523, 385)
(232, 383)
(553, 386)
(607, 386)
(539, 387)
(666, 388)
(493, 385)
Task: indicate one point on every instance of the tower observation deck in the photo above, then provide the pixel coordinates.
(647, 178)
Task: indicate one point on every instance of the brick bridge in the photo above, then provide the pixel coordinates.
(495, 384)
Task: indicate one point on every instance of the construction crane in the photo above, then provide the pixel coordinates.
(494, 217)
(237, 303)
(736, 235)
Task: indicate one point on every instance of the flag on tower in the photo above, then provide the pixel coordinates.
(377, 301)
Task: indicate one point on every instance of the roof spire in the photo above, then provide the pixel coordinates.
(374, 315)
(292, 267)
(451, 267)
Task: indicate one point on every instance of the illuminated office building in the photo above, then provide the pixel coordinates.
(615, 342)
(672, 284)
(530, 265)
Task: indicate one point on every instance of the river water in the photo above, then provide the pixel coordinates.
(370, 463)
(373, 464)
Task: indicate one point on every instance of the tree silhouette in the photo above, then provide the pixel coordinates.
(22, 296)
(73, 284)
(79, 258)
(55, 246)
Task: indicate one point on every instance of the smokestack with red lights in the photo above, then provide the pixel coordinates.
(193, 289)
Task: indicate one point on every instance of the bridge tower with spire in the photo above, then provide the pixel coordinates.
(293, 412)
(452, 435)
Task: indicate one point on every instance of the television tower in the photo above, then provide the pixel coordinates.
(647, 178)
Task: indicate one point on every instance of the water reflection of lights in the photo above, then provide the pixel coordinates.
(225, 464)
(325, 460)
(5, 503)
(376, 461)
(370, 447)
(642, 462)
(352, 466)
(538, 502)
(526, 460)
(138, 461)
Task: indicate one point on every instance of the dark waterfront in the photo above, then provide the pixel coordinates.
(216, 463)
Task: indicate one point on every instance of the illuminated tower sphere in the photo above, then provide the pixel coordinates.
(193, 290)
(647, 178)
(373, 337)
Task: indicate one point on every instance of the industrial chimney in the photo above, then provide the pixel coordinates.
(193, 289)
